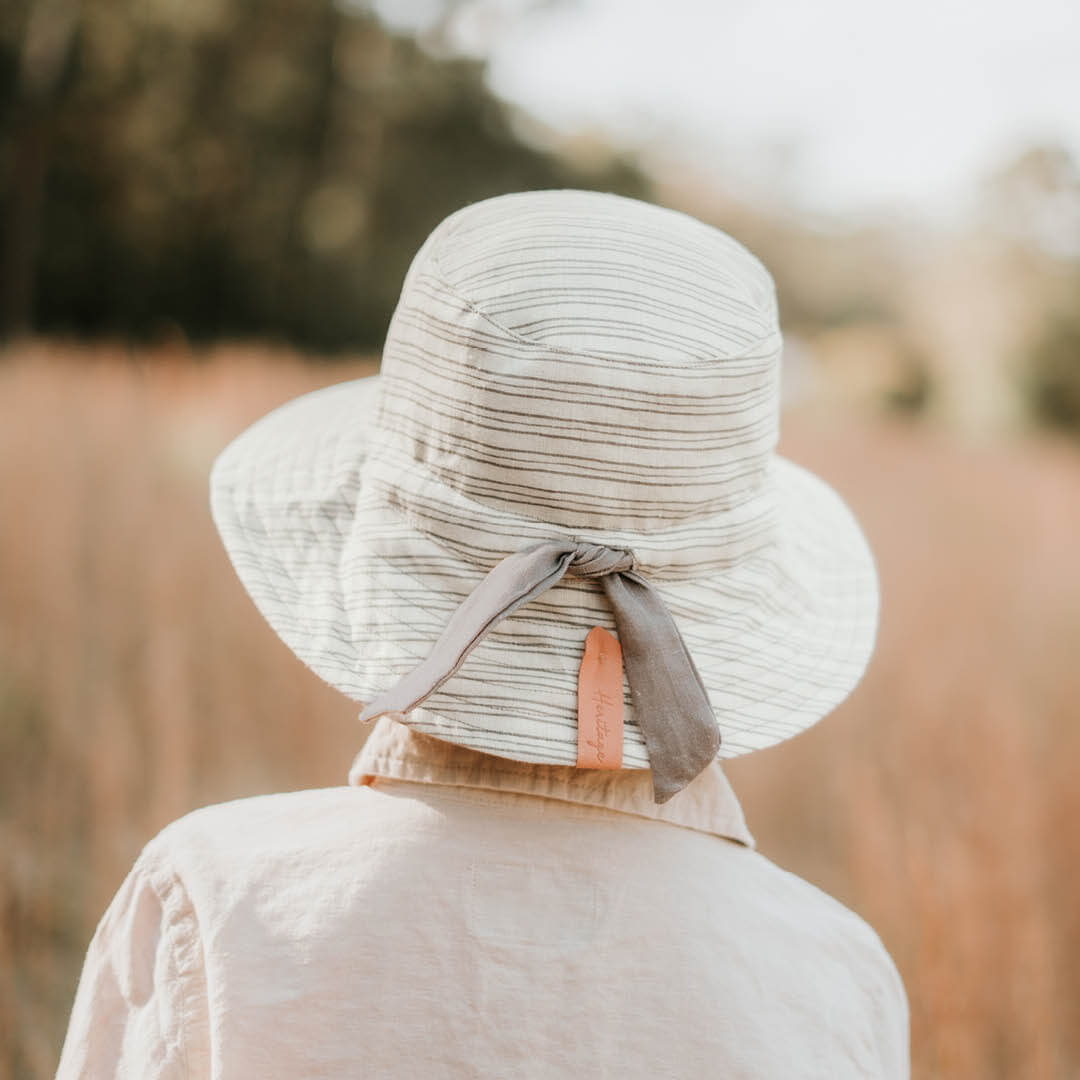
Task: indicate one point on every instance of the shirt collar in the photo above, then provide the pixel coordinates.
(393, 751)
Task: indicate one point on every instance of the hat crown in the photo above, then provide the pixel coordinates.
(597, 274)
(583, 360)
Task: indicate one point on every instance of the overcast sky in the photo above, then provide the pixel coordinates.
(842, 106)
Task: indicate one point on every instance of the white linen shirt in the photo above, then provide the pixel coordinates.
(451, 914)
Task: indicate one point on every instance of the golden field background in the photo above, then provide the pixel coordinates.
(137, 682)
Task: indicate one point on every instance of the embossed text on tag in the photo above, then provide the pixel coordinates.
(600, 702)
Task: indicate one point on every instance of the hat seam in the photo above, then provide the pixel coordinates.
(562, 350)
(767, 296)
(410, 518)
(545, 529)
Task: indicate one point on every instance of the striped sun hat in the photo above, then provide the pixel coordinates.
(585, 372)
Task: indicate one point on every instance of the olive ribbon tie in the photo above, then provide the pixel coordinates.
(671, 705)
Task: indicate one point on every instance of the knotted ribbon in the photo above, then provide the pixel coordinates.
(670, 702)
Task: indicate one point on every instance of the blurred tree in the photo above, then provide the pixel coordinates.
(237, 168)
(32, 81)
(1033, 204)
(1052, 374)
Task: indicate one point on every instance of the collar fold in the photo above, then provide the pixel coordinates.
(392, 751)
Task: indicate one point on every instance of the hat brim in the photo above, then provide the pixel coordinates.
(360, 594)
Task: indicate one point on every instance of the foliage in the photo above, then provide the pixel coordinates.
(232, 167)
(1052, 378)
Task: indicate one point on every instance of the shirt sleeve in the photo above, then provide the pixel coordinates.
(140, 1008)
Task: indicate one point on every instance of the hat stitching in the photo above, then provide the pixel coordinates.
(408, 517)
(745, 486)
(633, 239)
(408, 391)
(606, 363)
(562, 350)
(764, 290)
(497, 517)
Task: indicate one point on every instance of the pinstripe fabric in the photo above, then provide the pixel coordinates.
(561, 365)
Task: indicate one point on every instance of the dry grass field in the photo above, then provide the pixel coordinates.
(137, 682)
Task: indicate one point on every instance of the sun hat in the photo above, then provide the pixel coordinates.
(574, 428)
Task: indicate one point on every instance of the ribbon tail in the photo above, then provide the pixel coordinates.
(514, 581)
(671, 705)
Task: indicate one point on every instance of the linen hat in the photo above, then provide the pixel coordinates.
(586, 372)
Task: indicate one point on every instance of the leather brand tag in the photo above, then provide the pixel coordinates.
(600, 702)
